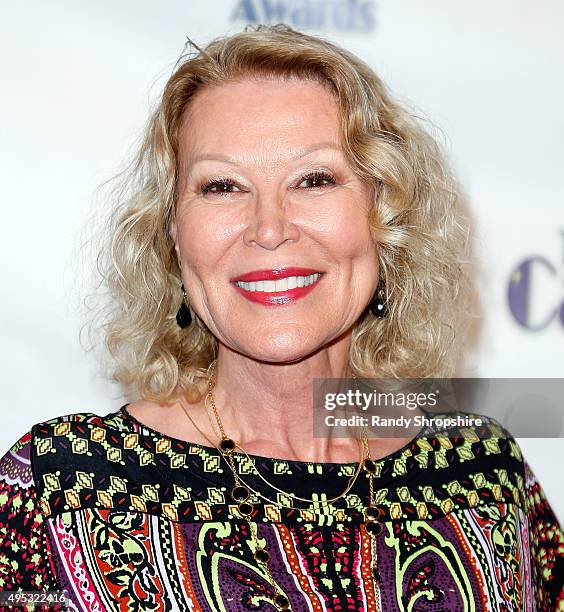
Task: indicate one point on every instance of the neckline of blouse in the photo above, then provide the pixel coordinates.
(411, 445)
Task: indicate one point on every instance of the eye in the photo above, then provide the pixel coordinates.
(318, 179)
(219, 186)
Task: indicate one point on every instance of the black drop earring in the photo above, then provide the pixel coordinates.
(183, 316)
(378, 306)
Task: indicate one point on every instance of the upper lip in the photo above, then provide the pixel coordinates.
(274, 274)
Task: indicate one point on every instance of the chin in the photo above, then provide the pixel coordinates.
(283, 348)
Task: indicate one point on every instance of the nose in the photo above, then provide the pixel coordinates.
(269, 223)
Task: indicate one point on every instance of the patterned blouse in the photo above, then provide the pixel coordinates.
(122, 517)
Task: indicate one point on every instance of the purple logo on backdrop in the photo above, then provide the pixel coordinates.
(351, 15)
(519, 293)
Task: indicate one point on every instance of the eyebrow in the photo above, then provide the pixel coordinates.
(229, 160)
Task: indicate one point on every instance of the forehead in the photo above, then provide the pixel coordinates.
(274, 117)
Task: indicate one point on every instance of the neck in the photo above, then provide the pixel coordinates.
(267, 408)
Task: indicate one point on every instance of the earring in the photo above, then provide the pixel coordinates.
(378, 306)
(183, 316)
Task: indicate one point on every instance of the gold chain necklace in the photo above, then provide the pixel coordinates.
(241, 493)
(316, 502)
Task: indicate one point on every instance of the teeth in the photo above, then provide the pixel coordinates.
(283, 284)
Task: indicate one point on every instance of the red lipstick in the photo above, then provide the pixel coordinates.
(276, 298)
(277, 274)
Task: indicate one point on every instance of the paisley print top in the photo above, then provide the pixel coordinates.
(123, 517)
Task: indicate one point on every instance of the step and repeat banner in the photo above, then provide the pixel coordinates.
(79, 80)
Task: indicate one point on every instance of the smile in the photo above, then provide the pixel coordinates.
(277, 287)
(283, 284)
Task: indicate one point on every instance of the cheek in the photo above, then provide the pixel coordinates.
(346, 231)
(202, 240)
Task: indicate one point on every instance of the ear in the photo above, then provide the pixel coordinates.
(173, 231)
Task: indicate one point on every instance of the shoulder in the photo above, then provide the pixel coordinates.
(475, 455)
(73, 427)
(55, 449)
(484, 434)
(470, 429)
(19, 463)
(80, 420)
(66, 422)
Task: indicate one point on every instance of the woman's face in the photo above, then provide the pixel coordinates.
(265, 195)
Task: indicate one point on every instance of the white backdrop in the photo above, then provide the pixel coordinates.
(77, 82)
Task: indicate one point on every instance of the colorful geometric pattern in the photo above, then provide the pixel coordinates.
(126, 518)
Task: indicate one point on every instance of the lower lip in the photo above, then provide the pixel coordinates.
(277, 298)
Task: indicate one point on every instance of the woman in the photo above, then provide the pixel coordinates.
(285, 220)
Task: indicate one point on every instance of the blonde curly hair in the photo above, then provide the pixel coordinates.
(418, 225)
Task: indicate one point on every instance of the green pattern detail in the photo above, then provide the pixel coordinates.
(440, 547)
